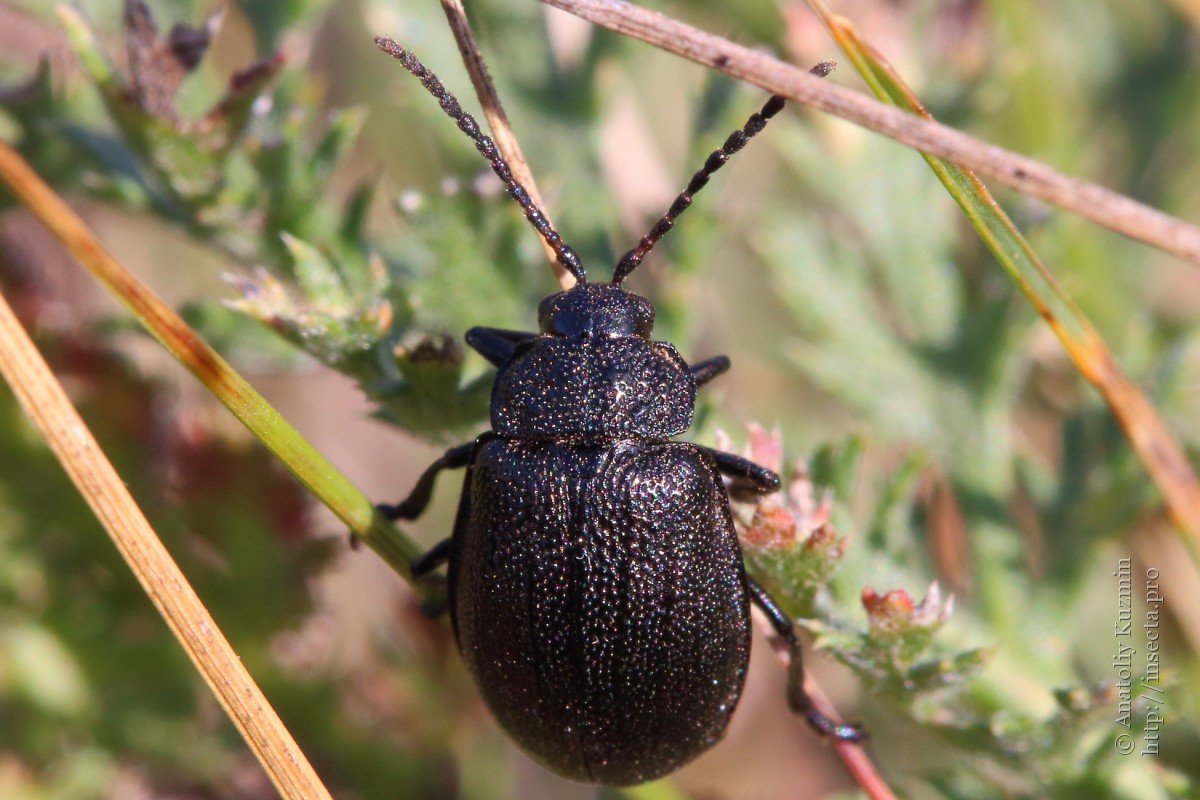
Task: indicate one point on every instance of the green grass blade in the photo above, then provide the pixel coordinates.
(305, 462)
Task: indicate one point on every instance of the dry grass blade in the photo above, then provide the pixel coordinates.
(313, 470)
(1162, 455)
(502, 131)
(1102, 206)
(45, 402)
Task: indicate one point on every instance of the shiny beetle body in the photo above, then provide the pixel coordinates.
(596, 584)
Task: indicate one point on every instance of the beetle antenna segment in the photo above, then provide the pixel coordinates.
(467, 124)
(736, 141)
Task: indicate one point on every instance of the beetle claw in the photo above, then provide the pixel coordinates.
(837, 731)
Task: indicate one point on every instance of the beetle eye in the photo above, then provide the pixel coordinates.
(643, 317)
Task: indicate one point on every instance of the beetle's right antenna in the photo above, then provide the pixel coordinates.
(467, 124)
(736, 141)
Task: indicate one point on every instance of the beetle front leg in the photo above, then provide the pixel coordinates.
(496, 345)
(797, 696)
(417, 501)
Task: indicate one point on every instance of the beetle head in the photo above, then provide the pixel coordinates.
(596, 310)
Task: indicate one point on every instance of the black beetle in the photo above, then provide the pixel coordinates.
(596, 583)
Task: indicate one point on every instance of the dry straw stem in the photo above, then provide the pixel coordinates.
(59, 423)
(1100, 205)
(1189, 7)
(1158, 450)
(502, 132)
(1162, 455)
(313, 470)
(853, 755)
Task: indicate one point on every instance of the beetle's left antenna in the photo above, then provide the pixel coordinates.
(736, 141)
(467, 124)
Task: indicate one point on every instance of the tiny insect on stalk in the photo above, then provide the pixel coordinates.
(596, 583)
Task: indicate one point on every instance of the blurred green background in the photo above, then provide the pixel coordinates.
(945, 434)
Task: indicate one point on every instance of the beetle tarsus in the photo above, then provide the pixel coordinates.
(387, 511)
(832, 729)
(433, 609)
(801, 703)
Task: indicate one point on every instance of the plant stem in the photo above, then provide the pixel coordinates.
(1161, 454)
(313, 470)
(1088, 200)
(502, 131)
(45, 402)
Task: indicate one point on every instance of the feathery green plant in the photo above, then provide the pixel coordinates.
(861, 314)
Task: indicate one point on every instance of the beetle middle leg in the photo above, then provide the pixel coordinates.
(748, 477)
(797, 696)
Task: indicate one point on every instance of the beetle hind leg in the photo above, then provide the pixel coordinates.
(431, 559)
(797, 696)
(422, 566)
